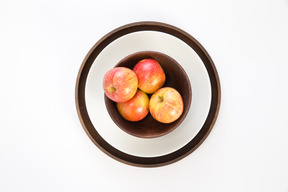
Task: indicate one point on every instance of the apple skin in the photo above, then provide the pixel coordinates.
(136, 108)
(150, 75)
(166, 105)
(120, 84)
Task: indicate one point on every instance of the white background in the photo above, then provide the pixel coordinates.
(43, 146)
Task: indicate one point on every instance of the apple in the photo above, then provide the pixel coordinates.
(166, 105)
(120, 84)
(150, 75)
(136, 108)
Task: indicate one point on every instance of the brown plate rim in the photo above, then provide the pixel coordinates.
(136, 160)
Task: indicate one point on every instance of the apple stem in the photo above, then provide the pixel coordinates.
(160, 99)
(111, 89)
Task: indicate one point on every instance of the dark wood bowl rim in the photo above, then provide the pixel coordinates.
(136, 160)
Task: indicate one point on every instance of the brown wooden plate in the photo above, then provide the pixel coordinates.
(90, 104)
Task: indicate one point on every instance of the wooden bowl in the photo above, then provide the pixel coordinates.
(175, 77)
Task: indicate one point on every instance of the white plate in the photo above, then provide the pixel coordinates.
(151, 39)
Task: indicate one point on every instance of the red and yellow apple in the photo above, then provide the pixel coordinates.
(120, 84)
(166, 105)
(150, 75)
(136, 108)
